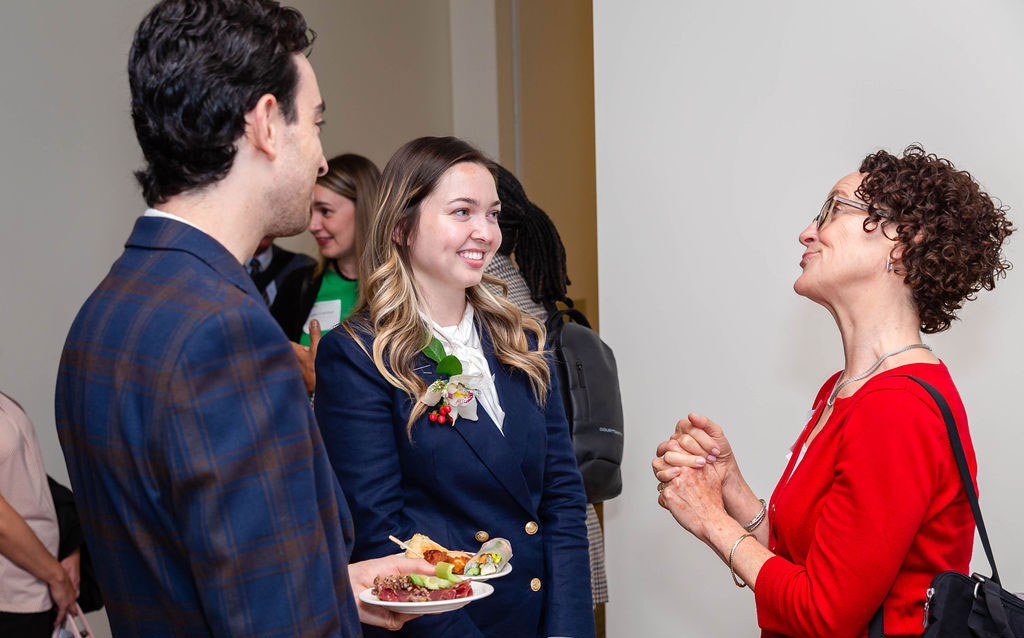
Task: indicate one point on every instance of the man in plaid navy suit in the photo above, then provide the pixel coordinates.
(206, 496)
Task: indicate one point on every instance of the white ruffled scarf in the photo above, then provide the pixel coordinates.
(463, 341)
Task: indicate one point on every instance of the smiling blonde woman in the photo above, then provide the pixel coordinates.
(408, 466)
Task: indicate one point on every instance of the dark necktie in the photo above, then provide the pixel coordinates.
(254, 271)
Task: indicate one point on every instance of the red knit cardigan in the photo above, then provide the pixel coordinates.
(873, 512)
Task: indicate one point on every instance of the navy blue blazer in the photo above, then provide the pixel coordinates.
(205, 493)
(451, 482)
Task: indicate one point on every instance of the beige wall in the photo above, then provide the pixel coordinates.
(506, 78)
(385, 72)
(474, 74)
(556, 108)
(69, 198)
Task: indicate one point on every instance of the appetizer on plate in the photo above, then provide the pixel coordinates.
(417, 588)
(494, 556)
(457, 559)
(417, 545)
(421, 546)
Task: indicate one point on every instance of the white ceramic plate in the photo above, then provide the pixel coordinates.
(480, 590)
(504, 571)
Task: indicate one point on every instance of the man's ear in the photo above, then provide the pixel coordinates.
(262, 126)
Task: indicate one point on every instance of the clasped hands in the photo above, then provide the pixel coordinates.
(692, 467)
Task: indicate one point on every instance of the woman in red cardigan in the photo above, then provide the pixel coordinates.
(870, 507)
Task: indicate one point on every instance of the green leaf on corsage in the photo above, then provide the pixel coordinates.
(434, 350)
(449, 365)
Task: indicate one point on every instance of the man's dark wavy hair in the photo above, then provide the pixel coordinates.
(195, 69)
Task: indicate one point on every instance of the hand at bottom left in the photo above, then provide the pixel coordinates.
(361, 577)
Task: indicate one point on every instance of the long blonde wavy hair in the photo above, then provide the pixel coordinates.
(389, 300)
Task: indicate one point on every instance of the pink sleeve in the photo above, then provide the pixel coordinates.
(888, 462)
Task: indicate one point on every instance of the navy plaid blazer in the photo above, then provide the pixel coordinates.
(207, 499)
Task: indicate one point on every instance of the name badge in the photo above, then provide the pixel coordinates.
(328, 313)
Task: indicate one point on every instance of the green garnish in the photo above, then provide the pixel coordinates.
(444, 570)
(443, 580)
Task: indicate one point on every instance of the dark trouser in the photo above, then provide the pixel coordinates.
(37, 625)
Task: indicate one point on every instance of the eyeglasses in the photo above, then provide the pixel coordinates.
(828, 209)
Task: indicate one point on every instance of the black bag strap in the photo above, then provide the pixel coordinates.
(875, 629)
(571, 313)
(961, 463)
(556, 317)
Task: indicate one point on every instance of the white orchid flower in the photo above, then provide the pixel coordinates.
(433, 393)
(456, 394)
(462, 401)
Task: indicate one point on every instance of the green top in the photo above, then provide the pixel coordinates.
(334, 303)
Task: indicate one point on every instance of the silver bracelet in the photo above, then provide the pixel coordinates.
(732, 553)
(754, 522)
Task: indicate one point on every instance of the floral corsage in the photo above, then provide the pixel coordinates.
(455, 394)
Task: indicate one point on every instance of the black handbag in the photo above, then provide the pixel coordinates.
(71, 538)
(960, 606)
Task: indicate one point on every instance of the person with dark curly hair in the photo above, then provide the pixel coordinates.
(870, 507)
(534, 282)
(203, 485)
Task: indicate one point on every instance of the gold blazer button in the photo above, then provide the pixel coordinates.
(535, 584)
(482, 536)
(531, 528)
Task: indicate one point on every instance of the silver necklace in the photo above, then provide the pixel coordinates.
(840, 386)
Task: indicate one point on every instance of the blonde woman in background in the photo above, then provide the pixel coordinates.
(314, 299)
(507, 470)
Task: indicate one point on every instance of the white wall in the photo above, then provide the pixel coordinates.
(720, 129)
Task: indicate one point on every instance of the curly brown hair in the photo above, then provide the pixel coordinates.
(951, 231)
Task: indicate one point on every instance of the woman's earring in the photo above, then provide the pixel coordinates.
(888, 264)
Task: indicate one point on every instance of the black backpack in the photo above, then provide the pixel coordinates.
(589, 381)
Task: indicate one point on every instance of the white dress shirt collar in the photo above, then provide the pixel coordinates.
(153, 212)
